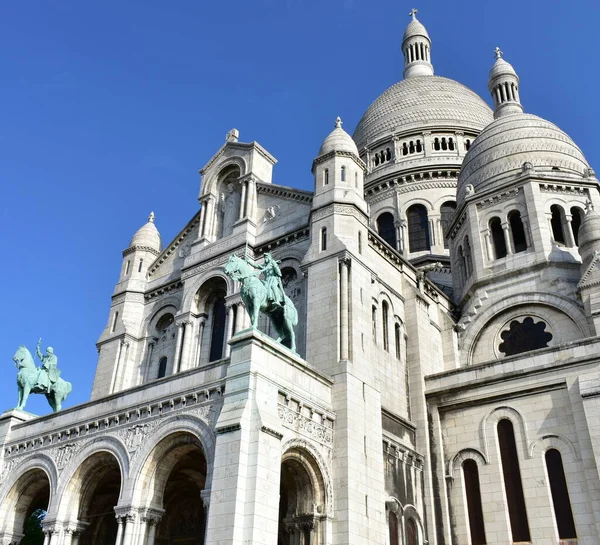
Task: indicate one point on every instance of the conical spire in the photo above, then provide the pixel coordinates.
(504, 86)
(416, 47)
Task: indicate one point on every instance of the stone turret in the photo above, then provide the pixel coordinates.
(416, 47)
(504, 87)
(589, 249)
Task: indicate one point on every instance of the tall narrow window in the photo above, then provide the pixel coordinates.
(359, 242)
(374, 323)
(114, 324)
(518, 231)
(556, 221)
(576, 218)
(418, 228)
(326, 176)
(393, 528)
(343, 174)
(474, 507)
(447, 213)
(560, 495)
(218, 329)
(324, 239)
(162, 367)
(386, 228)
(127, 266)
(412, 536)
(384, 325)
(397, 339)
(356, 179)
(512, 481)
(498, 240)
(140, 265)
(468, 258)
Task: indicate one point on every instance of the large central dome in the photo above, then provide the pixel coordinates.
(420, 102)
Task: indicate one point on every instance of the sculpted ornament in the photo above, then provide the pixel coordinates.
(265, 296)
(45, 380)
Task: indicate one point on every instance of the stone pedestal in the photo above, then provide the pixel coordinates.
(11, 418)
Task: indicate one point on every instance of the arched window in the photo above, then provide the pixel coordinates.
(343, 174)
(393, 528)
(560, 495)
(444, 144)
(512, 481)
(127, 266)
(468, 258)
(374, 323)
(576, 219)
(418, 228)
(218, 329)
(323, 239)
(436, 144)
(384, 325)
(467, 144)
(518, 231)
(359, 242)
(386, 228)
(498, 240)
(114, 324)
(524, 336)
(412, 534)
(162, 367)
(556, 221)
(404, 149)
(326, 176)
(447, 213)
(388, 154)
(451, 144)
(411, 147)
(419, 147)
(164, 323)
(462, 276)
(140, 265)
(397, 339)
(356, 179)
(474, 507)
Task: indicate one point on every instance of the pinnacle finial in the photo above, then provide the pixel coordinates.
(151, 217)
(498, 53)
(413, 13)
(338, 122)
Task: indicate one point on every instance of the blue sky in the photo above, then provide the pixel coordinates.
(108, 109)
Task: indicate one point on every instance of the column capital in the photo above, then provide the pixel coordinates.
(152, 515)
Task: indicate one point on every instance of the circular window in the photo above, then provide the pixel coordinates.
(522, 335)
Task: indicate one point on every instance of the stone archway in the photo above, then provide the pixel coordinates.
(91, 495)
(301, 500)
(175, 478)
(25, 507)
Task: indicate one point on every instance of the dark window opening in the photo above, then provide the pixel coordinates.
(447, 213)
(436, 144)
(560, 495)
(524, 336)
(474, 507)
(326, 176)
(412, 536)
(324, 239)
(451, 144)
(162, 367)
(374, 323)
(418, 228)
(343, 174)
(218, 329)
(411, 147)
(557, 224)
(397, 339)
(419, 147)
(512, 481)
(386, 228)
(467, 144)
(384, 325)
(404, 149)
(140, 265)
(498, 240)
(393, 528)
(518, 231)
(577, 217)
(388, 154)
(468, 258)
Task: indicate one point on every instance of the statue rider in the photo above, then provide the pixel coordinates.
(49, 363)
(273, 282)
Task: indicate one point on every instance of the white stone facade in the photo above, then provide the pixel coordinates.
(446, 385)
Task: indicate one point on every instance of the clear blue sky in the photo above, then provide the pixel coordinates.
(108, 109)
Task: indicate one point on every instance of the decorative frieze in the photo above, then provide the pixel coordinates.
(306, 420)
(177, 284)
(561, 188)
(342, 209)
(497, 198)
(285, 192)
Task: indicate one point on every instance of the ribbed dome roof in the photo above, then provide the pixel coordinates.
(338, 140)
(502, 68)
(147, 236)
(422, 102)
(501, 149)
(414, 28)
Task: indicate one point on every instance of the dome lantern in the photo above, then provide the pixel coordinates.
(416, 47)
(504, 87)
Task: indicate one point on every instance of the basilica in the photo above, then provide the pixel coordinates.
(445, 271)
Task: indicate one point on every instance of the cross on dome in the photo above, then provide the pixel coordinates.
(151, 217)
(413, 13)
(338, 122)
(498, 53)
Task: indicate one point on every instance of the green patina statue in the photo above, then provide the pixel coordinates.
(265, 296)
(40, 380)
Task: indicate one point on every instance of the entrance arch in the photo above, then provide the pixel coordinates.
(25, 506)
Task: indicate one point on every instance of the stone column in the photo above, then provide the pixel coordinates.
(46, 537)
(488, 245)
(403, 244)
(399, 245)
(202, 219)
(119, 539)
(186, 360)
(229, 334)
(549, 218)
(427, 144)
(150, 520)
(129, 529)
(200, 333)
(344, 309)
(507, 238)
(239, 320)
(525, 221)
(569, 231)
(243, 205)
(54, 535)
(210, 217)
(149, 352)
(178, 344)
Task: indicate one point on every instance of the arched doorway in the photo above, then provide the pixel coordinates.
(25, 508)
(301, 500)
(175, 477)
(94, 490)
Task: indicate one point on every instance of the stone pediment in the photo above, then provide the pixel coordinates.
(591, 276)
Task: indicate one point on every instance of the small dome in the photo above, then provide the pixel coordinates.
(338, 140)
(421, 103)
(415, 28)
(589, 233)
(147, 236)
(502, 68)
(505, 146)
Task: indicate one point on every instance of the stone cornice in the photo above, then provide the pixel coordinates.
(133, 249)
(344, 209)
(414, 180)
(285, 192)
(172, 286)
(338, 153)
